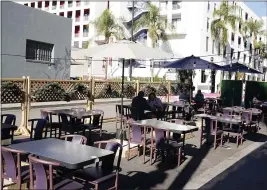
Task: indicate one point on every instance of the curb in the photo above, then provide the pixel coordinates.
(211, 173)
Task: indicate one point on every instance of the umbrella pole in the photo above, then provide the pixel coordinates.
(122, 84)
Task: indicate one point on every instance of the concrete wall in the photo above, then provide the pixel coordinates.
(20, 23)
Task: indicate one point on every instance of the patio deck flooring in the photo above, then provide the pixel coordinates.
(164, 175)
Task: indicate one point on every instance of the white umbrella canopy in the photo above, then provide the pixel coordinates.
(127, 50)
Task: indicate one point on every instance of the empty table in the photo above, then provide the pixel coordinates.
(68, 154)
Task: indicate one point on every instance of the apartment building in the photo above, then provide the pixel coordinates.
(191, 22)
(81, 13)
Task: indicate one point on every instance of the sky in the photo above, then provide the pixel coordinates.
(258, 7)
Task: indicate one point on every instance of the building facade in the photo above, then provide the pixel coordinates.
(192, 35)
(34, 43)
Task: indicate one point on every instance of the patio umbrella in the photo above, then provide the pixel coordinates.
(238, 67)
(126, 50)
(191, 63)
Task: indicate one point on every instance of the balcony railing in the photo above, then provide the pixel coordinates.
(85, 34)
(86, 3)
(77, 19)
(77, 35)
(54, 7)
(85, 18)
(62, 6)
(176, 6)
(70, 5)
(78, 4)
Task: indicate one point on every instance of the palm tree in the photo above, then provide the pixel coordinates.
(254, 27)
(156, 24)
(107, 25)
(223, 17)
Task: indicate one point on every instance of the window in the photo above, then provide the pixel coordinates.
(239, 40)
(207, 43)
(176, 5)
(39, 50)
(239, 26)
(245, 44)
(250, 48)
(238, 55)
(203, 76)
(208, 22)
(260, 38)
(233, 37)
(26, 4)
(175, 22)
(214, 6)
(249, 59)
(208, 6)
(224, 52)
(232, 52)
(213, 44)
(244, 58)
(246, 16)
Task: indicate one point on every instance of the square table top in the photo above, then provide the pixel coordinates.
(173, 127)
(73, 112)
(68, 154)
(8, 126)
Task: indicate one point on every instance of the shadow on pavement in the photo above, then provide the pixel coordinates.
(248, 173)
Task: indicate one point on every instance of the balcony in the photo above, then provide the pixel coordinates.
(137, 4)
(85, 34)
(70, 5)
(137, 14)
(85, 18)
(77, 35)
(54, 7)
(77, 19)
(62, 6)
(176, 6)
(46, 8)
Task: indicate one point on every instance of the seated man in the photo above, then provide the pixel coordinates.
(154, 102)
(256, 100)
(199, 100)
(140, 104)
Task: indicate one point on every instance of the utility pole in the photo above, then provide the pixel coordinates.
(131, 61)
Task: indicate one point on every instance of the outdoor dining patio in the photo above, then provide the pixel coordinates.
(172, 145)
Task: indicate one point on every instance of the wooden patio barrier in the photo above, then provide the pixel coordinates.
(98, 88)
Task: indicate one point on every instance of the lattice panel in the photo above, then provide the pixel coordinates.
(67, 86)
(160, 88)
(104, 89)
(129, 89)
(8, 96)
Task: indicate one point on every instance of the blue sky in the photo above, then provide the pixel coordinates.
(260, 7)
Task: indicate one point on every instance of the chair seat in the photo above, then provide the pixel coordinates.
(67, 184)
(25, 173)
(232, 130)
(21, 140)
(90, 126)
(93, 173)
(219, 132)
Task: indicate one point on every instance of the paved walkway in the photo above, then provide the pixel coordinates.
(248, 173)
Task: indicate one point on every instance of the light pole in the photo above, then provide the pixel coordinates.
(131, 61)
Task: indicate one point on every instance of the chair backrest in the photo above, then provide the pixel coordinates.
(227, 113)
(37, 129)
(37, 168)
(124, 110)
(246, 117)
(64, 120)
(79, 139)
(9, 119)
(109, 163)
(136, 133)
(11, 165)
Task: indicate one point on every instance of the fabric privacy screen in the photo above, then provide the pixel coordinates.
(253, 88)
(231, 92)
